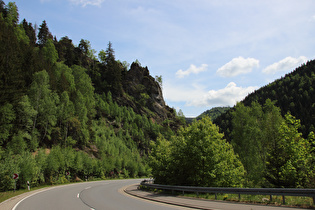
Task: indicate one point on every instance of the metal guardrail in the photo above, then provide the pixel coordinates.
(248, 191)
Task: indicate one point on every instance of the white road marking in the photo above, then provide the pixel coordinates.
(50, 188)
(15, 206)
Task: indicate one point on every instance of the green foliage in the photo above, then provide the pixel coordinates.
(289, 161)
(144, 98)
(49, 51)
(214, 112)
(66, 51)
(271, 148)
(137, 62)
(90, 52)
(25, 114)
(159, 80)
(12, 13)
(8, 166)
(253, 129)
(55, 97)
(17, 145)
(21, 35)
(29, 171)
(66, 113)
(160, 160)
(12, 69)
(29, 31)
(267, 140)
(181, 116)
(44, 102)
(102, 56)
(197, 156)
(44, 34)
(7, 116)
(294, 93)
(83, 84)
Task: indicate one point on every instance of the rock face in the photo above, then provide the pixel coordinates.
(146, 93)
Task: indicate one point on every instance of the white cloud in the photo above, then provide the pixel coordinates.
(288, 63)
(223, 97)
(83, 3)
(181, 93)
(199, 97)
(238, 66)
(192, 69)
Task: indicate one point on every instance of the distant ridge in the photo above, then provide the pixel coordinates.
(214, 112)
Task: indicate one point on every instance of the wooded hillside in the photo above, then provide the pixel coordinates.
(67, 115)
(64, 110)
(294, 93)
(213, 113)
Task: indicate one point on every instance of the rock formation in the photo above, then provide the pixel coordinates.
(146, 93)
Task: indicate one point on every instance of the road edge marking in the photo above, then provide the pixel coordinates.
(20, 201)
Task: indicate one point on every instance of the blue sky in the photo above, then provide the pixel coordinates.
(209, 52)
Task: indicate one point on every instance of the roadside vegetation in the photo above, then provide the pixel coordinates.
(290, 201)
(266, 150)
(67, 116)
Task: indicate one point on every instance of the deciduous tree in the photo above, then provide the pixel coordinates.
(199, 156)
(289, 160)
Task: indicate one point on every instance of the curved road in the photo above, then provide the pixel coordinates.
(89, 195)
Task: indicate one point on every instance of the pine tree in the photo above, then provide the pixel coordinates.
(43, 34)
(110, 54)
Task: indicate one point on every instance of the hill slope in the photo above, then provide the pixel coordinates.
(213, 113)
(63, 110)
(294, 93)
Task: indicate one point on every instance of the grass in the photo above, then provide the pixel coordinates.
(290, 201)
(9, 194)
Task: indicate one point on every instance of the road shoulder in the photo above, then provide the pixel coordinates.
(197, 203)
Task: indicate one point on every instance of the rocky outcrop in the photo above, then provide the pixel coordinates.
(146, 94)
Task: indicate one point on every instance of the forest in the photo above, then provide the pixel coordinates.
(213, 113)
(294, 93)
(69, 115)
(65, 111)
(266, 150)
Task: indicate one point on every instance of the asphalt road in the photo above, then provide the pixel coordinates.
(115, 194)
(89, 195)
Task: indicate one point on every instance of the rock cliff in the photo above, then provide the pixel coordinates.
(144, 94)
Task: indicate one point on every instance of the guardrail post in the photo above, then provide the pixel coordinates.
(183, 192)
(313, 200)
(270, 198)
(239, 197)
(283, 199)
(216, 197)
